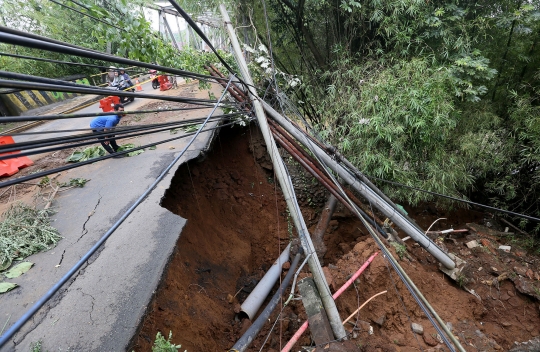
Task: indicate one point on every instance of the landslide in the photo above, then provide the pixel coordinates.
(237, 225)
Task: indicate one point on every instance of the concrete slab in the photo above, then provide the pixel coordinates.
(102, 305)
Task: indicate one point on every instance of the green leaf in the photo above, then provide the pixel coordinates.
(7, 286)
(18, 270)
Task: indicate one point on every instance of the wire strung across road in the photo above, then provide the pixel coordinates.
(25, 57)
(118, 128)
(7, 119)
(19, 323)
(89, 138)
(82, 163)
(101, 91)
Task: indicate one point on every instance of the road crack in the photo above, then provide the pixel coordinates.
(92, 307)
(84, 229)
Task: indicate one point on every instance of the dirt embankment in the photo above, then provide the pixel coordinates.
(237, 226)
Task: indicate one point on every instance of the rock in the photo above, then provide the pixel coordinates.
(471, 244)
(237, 308)
(286, 266)
(230, 298)
(505, 248)
(345, 248)
(504, 296)
(332, 266)
(417, 328)
(363, 325)
(529, 274)
(430, 340)
(380, 320)
(520, 270)
(506, 324)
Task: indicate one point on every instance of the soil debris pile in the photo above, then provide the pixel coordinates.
(237, 226)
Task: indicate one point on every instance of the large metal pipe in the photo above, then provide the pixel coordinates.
(254, 329)
(286, 186)
(256, 298)
(365, 191)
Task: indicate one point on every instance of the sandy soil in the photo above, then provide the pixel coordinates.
(237, 225)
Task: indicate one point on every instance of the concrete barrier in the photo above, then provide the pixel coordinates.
(20, 101)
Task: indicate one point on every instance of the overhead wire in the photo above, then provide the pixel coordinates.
(26, 57)
(40, 302)
(87, 15)
(499, 210)
(82, 163)
(7, 119)
(101, 91)
(27, 147)
(15, 37)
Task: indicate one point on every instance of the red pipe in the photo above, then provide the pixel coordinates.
(304, 326)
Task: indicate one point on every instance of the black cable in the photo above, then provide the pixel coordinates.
(15, 37)
(7, 119)
(52, 61)
(201, 34)
(82, 163)
(38, 79)
(42, 38)
(98, 91)
(87, 15)
(532, 218)
(125, 133)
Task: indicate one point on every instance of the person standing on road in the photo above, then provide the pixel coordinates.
(107, 123)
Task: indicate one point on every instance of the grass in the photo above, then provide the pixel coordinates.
(401, 250)
(461, 280)
(162, 345)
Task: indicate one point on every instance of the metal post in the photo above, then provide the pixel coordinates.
(365, 191)
(179, 31)
(170, 31)
(287, 188)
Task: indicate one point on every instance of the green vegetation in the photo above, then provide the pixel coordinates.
(401, 250)
(25, 230)
(162, 345)
(439, 95)
(125, 33)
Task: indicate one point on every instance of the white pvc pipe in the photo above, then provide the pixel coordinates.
(256, 298)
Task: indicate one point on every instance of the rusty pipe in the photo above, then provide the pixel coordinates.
(230, 90)
(238, 90)
(316, 166)
(323, 180)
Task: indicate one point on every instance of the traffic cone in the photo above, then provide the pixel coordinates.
(137, 85)
(11, 166)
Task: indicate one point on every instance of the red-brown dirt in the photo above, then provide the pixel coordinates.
(237, 225)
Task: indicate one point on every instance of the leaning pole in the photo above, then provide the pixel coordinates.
(286, 186)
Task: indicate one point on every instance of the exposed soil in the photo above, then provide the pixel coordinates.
(237, 225)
